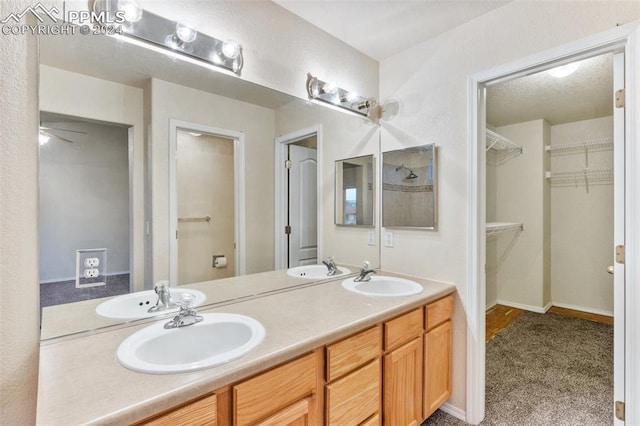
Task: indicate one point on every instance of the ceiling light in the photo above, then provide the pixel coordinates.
(564, 70)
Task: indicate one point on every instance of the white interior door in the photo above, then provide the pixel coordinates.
(618, 237)
(303, 236)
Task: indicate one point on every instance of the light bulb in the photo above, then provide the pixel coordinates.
(43, 138)
(563, 70)
(330, 88)
(230, 49)
(349, 97)
(132, 12)
(185, 33)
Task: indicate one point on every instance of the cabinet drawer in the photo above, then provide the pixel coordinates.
(371, 421)
(352, 352)
(197, 413)
(354, 398)
(402, 329)
(438, 312)
(269, 392)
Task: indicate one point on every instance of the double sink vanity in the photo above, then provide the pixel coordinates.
(284, 350)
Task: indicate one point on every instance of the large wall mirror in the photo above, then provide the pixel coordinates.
(409, 187)
(111, 115)
(355, 191)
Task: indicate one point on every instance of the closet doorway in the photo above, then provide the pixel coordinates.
(549, 236)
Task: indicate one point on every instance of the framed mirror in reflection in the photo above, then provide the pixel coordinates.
(409, 187)
(109, 197)
(355, 191)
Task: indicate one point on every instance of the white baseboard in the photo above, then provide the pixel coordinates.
(525, 307)
(491, 305)
(583, 309)
(454, 411)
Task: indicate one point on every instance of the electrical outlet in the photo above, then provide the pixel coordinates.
(388, 239)
(371, 238)
(91, 262)
(91, 273)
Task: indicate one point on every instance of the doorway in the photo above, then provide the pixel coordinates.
(615, 41)
(206, 203)
(84, 209)
(298, 198)
(550, 228)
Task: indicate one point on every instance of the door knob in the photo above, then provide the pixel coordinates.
(610, 269)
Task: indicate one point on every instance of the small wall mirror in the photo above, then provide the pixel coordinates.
(409, 187)
(355, 191)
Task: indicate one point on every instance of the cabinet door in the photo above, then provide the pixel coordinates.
(294, 415)
(437, 367)
(403, 385)
(354, 398)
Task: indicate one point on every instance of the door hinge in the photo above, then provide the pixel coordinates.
(287, 164)
(176, 234)
(620, 98)
(287, 230)
(620, 410)
(620, 254)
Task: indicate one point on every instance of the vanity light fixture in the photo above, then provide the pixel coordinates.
(175, 37)
(330, 93)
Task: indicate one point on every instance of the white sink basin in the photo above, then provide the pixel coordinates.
(218, 339)
(136, 305)
(315, 272)
(383, 286)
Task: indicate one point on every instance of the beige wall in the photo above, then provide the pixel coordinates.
(19, 300)
(430, 82)
(582, 223)
(517, 261)
(172, 101)
(74, 94)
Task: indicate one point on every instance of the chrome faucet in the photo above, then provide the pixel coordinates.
(188, 315)
(331, 266)
(164, 301)
(365, 273)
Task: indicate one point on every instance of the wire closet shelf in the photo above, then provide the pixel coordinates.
(495, 229)
(500, 149)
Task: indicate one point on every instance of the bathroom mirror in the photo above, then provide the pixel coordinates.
(355, 191)
(88, 82)
(409, 187)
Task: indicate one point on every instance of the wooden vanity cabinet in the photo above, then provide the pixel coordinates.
(403, 374)
(353, 371)
(437, 354)
(290, 394)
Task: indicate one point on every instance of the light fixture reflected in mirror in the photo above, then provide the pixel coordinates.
(330, 93)
(174, 36)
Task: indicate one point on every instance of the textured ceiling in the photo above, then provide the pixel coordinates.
(583, 95)
(380, 28)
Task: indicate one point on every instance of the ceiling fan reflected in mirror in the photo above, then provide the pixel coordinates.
(46, 133)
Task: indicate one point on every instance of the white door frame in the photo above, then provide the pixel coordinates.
(280, 189)
(627, 38)
(238, 198)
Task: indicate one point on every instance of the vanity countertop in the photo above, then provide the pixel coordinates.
(81, 381)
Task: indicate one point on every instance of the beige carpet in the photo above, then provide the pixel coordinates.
(547, 369)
